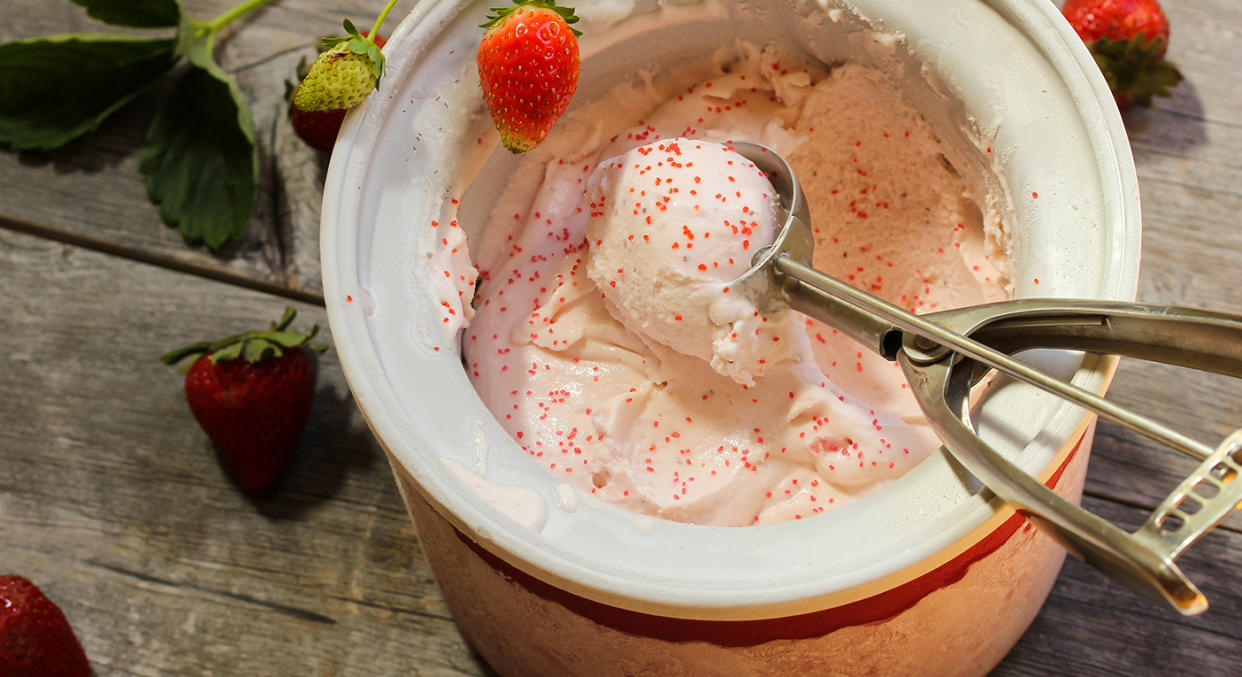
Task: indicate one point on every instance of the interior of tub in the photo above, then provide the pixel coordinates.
(1002, 82)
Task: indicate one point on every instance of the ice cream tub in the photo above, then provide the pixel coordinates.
(927, 574)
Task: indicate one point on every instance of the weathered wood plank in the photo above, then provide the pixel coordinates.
(1090, 626)
(111, 493)
(112, 500)
(92, 191)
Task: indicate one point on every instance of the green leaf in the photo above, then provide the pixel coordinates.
(53, 90)
(288, 339)
(200, 161)
(175, 356)
(286, 319)
(136, 13)
(229, 352)
(377, 60)
(1135, 69)
(257, 349)
(328, 42)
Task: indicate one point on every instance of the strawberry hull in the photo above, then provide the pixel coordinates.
(1128, 39)
(542, 577)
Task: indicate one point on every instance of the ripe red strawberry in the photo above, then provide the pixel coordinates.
(319, 129)
(35, 637)
(251, 393)
(1128, 39)
(528, 67)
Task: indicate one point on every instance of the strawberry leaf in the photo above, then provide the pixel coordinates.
(288, 339)
(136, 13)
(498, 14)
(1135, 69)
(175, 356)
(286, 319)
(329, 41)
(256, 350)
(54, 90)
(377, 59)
(200, 161)
(230, 352)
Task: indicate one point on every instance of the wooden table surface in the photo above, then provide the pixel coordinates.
(111, 499)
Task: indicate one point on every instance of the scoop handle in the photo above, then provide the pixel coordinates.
(1185, 337)
(925, 339)
(868, 328)
(943, 391)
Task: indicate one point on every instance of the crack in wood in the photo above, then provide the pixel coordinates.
(1192, 186)
(1194, 117)
(143, 256)
(392, 609)
(269, 58)
(1148, 509)
(284, 609)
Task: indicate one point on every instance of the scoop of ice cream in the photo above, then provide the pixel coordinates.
(672, 224)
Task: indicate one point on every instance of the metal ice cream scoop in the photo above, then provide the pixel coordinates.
(943, 354)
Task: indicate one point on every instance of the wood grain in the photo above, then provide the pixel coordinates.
(111, 499)
(92, 193)
(1090, 626)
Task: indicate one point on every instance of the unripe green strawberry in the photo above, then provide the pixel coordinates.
(343, 75)
(320, 128)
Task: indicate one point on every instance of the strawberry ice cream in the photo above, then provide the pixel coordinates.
(610, 349)
(672, 224)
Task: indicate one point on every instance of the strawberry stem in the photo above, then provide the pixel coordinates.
(229, 15)
(379, 20)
